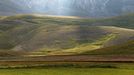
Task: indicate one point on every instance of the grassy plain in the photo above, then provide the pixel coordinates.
(67, 71)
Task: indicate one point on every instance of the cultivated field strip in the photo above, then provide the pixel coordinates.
(71, 58)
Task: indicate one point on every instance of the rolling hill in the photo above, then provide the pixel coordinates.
(46, 35)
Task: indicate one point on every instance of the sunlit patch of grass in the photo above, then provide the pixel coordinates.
(104, 39)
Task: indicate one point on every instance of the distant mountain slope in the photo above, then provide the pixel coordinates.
(125, 21)
(47, 35)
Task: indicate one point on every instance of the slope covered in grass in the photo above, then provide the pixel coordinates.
(122, 49)
(49, 35)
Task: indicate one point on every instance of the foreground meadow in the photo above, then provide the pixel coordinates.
(67, 71)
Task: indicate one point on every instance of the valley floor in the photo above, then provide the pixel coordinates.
(67, 60)
(68, 65)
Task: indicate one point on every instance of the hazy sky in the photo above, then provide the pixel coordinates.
(91, 8)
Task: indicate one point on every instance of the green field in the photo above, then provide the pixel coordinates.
(67, 71)
(74, 69)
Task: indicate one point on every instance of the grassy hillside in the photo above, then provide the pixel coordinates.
(122, 49)
(47, 35)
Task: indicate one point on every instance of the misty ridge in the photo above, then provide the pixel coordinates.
(83, 8)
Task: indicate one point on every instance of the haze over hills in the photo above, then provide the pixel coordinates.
(63, 36)
(83, 8)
